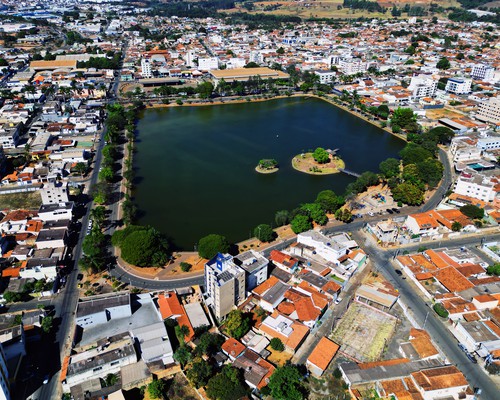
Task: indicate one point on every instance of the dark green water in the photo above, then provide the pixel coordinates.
(195, 165)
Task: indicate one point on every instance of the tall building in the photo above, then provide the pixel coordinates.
(482, 72)
(489, 111)
(146, 67)
(422, 86)
(459, 85)
(473, 184)
(54, 192)
(207, 64)
(4, 376)
(225, 284)
(351, 66)
(255, 267)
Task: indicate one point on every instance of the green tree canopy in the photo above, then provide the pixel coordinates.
(277, 344)
(329, 201)
(182, 355)
(321, 156)
(430, 171)
(141, 245)
(403, 117)
(493, 269)
(264, 233)
(456, 226)
(315, 212)
(199, 372)
(210, 343)
(441, 134)
(227, 385)
(390, 167)
(443, 63)
(408, 193)
(281, 217)
(212, 244)
(156, 389)
(237, 324)
(472, 211)
(301, 223)
(413, 154)
(286, 384)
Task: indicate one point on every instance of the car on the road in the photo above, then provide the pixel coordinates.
(462, 347)
(472, 358)
(371, 214)
(389, 211)
(396, 210)
(398, 272)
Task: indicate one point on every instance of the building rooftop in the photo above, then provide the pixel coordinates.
(94, 304)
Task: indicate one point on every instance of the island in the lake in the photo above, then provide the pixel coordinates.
(319, 162)
(267, 166)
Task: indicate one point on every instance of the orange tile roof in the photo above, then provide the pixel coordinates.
(437, 259)
(64, 369)
(12, 272)
(53, 64)
(494, 327)
(439, 378)
(394, 361)
(170, 306)
(452, 280)
(468, 270)
(266, 285)
(323, 353)
(469, 317)
(293, 341)
(232, 347)
(286, 307)
(270, 370)
(283, 259)
(425, 220)
(484, 298)
(422, 343)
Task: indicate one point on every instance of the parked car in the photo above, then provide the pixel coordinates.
(389, 211)
(472, 358)
(338, 300)
(398, 271)
(462, 347)
(396, 210)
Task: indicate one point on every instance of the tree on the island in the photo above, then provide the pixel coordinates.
(456, 226)
(277, 344)
(443, 64)
(390, 167)
(286, 384)
(408, 193)
(199, 372)
(472, 211)
(182, 355)
(281, 217)
(321, 156)
(301, 223)
(329, 201)
(156, 389)
(141, 245)
(315, 212)
(264, 233)
(227, 384)
(212, 244)
(237, 324)
(493, 269)
(268, 163)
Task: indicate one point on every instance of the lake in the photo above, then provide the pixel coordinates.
(195, 166)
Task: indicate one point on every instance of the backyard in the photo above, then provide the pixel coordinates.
(363, 332)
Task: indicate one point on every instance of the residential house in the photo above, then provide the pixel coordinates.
(291, 333)
(270, 293)
(284, 261)
(256, 370)
(321, 357)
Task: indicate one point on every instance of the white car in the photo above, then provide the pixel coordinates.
(338, 300)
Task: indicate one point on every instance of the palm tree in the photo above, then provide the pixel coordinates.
(98, 215)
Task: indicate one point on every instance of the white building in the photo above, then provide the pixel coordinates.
(55, 212)
(95, 310)
(351, 66)
(422, 86)
(326, 77)
(154, 343)
(146, 68)
(225, 284)
(54, 192)
(459, 85)
(9, 136)
(463, 151)
(40, 268)
(473, 184)
(325, 247)
(483, 72)
(255, 267)
(207, 64)
(489, 111)
(489, 143)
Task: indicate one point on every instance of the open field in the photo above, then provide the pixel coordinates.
(26, 200)
(363, 332)
(442, 113)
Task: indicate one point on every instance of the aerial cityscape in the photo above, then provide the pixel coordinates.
(257, 199)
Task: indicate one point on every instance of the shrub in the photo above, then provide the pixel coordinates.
(440, 310)
(185, 267)
(277, 344)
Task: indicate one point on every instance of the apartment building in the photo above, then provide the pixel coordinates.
(462, 150)
(476, 185)
(489, 111)
(351, 66)
(489, 143)
(146, 68)
(458, 85)
(482, 72)
(208, 64)
(326, 77)
(422, 86)
(225, 284)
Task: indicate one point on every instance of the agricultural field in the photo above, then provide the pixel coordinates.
(363, 332)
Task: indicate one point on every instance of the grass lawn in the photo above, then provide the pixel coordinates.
(15, 201)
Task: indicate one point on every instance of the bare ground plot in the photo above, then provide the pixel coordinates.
(26, 200)
(278, 358)
(442, 113)
(363, 332)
